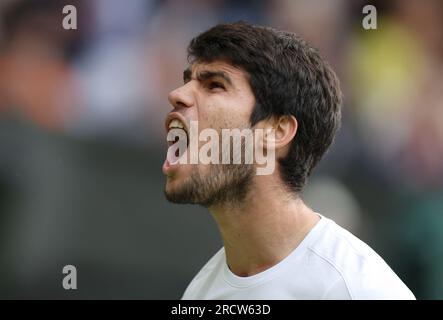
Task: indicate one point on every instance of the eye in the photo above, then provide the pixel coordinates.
(215, 85)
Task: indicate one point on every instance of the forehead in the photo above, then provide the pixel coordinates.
(236, 74)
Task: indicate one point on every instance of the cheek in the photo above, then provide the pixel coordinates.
(228, 118)
(215, 118)
(226, 122)
(227, 113)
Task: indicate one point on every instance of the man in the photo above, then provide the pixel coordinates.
(275, 247)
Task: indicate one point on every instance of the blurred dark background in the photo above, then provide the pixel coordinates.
(82, 142)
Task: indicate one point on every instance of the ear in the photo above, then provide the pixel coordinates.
(284, 129)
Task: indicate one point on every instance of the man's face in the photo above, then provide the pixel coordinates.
(218, 96)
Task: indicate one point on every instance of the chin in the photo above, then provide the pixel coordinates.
(177, 196)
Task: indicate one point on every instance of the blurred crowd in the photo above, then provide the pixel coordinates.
(82, 141)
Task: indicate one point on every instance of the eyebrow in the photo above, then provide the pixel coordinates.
(206, 75)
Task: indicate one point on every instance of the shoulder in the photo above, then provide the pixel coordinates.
(207, 273)
(361, 272)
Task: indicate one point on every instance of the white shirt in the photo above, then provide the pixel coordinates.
(330, 263)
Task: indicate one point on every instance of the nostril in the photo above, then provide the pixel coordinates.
(181, 104)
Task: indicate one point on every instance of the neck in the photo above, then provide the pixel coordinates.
(263, 229)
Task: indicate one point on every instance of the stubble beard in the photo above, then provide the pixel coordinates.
(224, 184)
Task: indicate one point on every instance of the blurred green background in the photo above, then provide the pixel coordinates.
(82, 141)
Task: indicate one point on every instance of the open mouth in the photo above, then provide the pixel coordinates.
(180, 132)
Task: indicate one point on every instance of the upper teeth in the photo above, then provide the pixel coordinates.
(176, 124)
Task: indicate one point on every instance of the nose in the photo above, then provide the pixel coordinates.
(181, 97)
